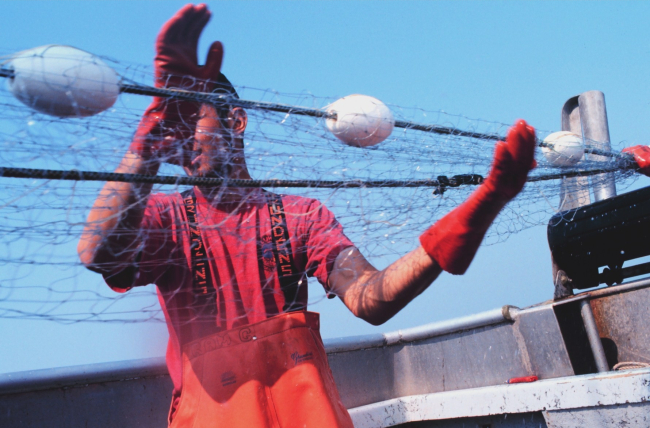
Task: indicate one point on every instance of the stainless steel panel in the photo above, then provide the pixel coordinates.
(623, 415)
(542, 341)
(593, 117)
(478, 357)
(594, 336)
(520, 420)
(353, 343)
(574, 191)
(139, 403)
(623, 321)
(75, 376)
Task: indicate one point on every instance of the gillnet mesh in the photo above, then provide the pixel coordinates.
(41, 220)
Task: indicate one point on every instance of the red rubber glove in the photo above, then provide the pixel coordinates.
(642, 157)
(454, 239)
(166, 130)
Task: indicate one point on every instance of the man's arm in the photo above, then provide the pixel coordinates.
(450, 244)
(376, 296)
(110, 238)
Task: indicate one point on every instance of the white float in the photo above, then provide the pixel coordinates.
(361, 121)
(63, 81)
(563, 148)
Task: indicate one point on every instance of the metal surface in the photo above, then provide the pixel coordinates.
(574, 191)
(609, 277)
(594, 336)
(422, 332)
(451, 360)
(606, 234)
(575, 392)
(623, 320)
(595, 129)
(520, 420)
(483, 356)
(141, 403)
(67, 377)
(540, 343)
(626, 415)
(561, 281)
(119, 394)
(607, 291)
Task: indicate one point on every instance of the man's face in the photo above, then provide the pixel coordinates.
(213, 145)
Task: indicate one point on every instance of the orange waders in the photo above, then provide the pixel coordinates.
(272, 374)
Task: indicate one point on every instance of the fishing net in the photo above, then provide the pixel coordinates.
(379, 194)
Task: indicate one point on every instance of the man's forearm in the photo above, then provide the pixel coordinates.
(376, 296)
(111, 230)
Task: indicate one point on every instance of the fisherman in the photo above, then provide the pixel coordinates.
(230, 263)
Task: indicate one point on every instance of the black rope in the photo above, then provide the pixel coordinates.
(136, 88)
(441, 184)
(74, 175)
(579, 173)
(219, 100)
(591, 151)
(216, 99)
(139, 89)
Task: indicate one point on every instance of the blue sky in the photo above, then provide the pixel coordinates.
(496, 61)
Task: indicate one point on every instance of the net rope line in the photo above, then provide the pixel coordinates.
(442, 182)
(130, 87)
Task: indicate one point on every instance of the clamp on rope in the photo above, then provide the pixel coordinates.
(445, 182)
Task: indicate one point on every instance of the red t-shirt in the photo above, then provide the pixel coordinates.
(236, 230)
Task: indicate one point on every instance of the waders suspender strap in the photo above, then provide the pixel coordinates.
(203, 291)
(290, 279)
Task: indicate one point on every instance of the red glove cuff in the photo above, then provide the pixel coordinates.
(454, 239)
(641, 156)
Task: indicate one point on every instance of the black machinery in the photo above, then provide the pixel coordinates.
(605, 234)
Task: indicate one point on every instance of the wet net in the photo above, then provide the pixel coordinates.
(384, 196)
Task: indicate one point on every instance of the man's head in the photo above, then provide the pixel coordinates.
(218, 149)
(225, 88)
